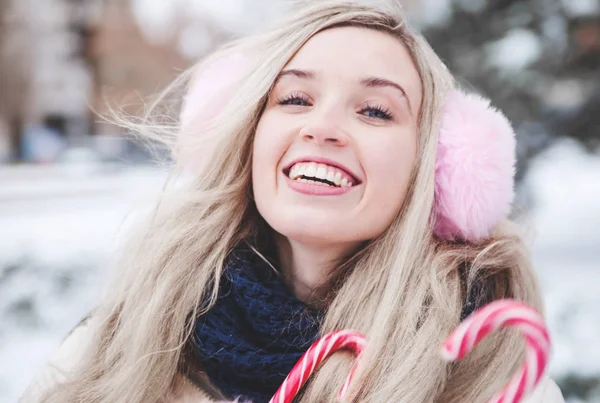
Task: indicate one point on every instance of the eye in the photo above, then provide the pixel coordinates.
(376, 112)
(295, 99)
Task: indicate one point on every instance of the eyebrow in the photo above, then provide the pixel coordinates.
(377, 82)
(305, 74)
(370, 82)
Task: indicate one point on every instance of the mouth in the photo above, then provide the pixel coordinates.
(321, 172)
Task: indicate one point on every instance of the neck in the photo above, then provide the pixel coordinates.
(306, 267)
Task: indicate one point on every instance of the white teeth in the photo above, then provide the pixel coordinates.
(321, 172)
(337, 179)
(312, 182)
(301, 170)
(304, 170)
(330, 176)
(296, 172)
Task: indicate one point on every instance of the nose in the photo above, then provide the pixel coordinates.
(323, 133)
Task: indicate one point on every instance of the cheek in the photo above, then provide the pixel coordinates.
(388, 165)
(392, 163)
(260, 159)
(270, 144)
(272, 136)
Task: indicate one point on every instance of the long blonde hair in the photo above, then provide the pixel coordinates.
(404, 290)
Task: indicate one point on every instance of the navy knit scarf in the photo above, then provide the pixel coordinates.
(256, 332)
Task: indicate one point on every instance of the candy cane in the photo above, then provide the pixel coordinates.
(316, 354)
(492, 317)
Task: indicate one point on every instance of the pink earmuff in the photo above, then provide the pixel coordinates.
(208, 92)
(474, 176)
(212, 87)
(475, 167)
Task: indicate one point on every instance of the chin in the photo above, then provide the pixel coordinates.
(314, 236)
(315, 230)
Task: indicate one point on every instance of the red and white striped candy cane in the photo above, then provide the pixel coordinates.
(498, 314)
(316, 354)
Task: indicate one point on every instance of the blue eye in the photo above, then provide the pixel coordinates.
(371, 111)
(293, 99)
(377, 112)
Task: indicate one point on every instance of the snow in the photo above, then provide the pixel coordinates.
(59, 226)
(155, 18)
(566, 185)
(516, 50)
(555, 31)
(566, 94)
(578, 8)
(194, 41)
(159, 19)
(427, 13)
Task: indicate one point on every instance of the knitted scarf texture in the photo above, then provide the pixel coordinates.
(249, 341)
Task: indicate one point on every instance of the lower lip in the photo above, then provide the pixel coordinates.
(316, 190)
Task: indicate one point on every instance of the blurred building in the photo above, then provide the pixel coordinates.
(129, 66)
(65, 63)
(62, 59)
(45, 75)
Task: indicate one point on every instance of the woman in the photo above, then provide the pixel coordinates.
(319, 207)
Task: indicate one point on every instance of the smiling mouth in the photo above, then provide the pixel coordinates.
(320, 174)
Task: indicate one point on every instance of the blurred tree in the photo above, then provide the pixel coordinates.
(129, 67)
(15, 65)
(538, 60)
(43, 69)
(84, 20)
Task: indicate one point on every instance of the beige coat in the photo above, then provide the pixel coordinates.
(186, 389)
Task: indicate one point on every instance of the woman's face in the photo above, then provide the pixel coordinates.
(336, 144)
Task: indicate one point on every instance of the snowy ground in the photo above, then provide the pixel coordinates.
(58, 228)
(59, 225)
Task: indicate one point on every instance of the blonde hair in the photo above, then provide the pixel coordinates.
(404, 290)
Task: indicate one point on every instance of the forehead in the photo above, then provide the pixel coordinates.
(352, 53)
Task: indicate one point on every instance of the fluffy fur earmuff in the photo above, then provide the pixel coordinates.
(209, 91)
(212, 87)
(475, 167)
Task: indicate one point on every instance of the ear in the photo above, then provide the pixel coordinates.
(210, 89)
(475, 168)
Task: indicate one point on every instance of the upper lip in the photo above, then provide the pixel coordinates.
(323, 160)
